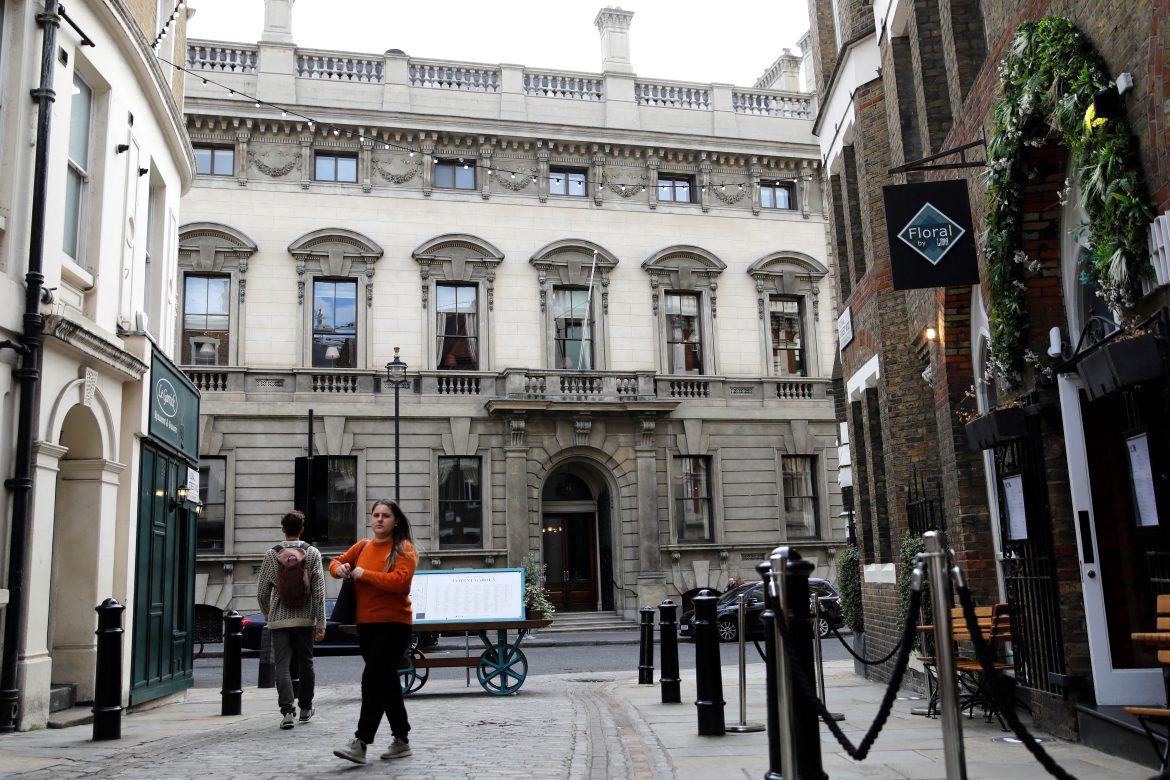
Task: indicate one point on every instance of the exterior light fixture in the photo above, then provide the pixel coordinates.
(930, 333)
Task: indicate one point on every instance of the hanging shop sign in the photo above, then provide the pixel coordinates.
(174, 406)
(932, 242)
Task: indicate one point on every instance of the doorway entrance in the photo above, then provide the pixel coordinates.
(575, 541)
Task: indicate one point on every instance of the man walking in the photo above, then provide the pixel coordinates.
(291, 592)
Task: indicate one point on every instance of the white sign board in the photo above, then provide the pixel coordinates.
(1142, 478)
(464, 595)
(1017, 514)
(844, 328)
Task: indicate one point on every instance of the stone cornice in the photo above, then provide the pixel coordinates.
(86, 343)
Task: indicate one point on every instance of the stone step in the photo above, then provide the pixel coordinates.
(62, 696)
(74, 716)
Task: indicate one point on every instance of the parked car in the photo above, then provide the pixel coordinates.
(338, 639)
(727, 611)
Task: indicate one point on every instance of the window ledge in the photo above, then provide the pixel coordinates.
(74, 275)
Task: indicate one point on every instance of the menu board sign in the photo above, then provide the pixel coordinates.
(464, 595)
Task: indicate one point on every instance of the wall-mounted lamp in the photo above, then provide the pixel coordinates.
(1055, 343)
(931, 333)
(143, 171)
(183, 492)
(121, 148)
(436, 563)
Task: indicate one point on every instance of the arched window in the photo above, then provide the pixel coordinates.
(574, 300)
(213, 262)
(458, 274)
(683, 283)
(788, 288)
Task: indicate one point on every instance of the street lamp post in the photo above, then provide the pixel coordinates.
(395, 375)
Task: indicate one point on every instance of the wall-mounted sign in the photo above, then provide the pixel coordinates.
(844, 328)
(174, 406)
(1141, 476)
(932, 242)
(1017, 513)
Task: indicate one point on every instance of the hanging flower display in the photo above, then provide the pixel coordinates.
(1050, 76)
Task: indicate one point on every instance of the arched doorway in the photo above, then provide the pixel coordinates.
(576, 541)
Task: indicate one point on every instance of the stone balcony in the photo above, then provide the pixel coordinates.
(543, 388)
(486, 94)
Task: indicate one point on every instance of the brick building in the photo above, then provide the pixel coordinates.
(1059, 511)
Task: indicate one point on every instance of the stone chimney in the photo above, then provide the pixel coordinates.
(277, 21)
(614, 25)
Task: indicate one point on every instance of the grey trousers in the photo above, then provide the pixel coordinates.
(289, 643)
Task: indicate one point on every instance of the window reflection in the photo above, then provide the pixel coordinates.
(573, 326)
(457, 328)
(334, 323)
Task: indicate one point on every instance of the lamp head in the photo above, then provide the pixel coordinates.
(395, 369)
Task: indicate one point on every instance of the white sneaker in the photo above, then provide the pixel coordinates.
(354, 750)
(397, 749)
(306, 715)
(286, 720)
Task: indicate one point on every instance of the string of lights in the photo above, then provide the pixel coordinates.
(491, 169)
(166, 28)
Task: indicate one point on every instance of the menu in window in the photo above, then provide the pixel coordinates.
(1017, 515)
(1142, 480)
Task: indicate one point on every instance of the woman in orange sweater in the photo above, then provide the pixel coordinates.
(382, 569)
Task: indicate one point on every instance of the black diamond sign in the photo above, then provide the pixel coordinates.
(931, 233)
(930, 236)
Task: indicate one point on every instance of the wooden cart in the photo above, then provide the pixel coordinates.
(501, 668)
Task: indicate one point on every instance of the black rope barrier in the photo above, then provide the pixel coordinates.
(805, 686)
(866, 661)
(993, 678)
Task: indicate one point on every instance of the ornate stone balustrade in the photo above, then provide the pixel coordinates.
(224, 58)
(563, 85)
(577, 385)
(672, 96)
(445, 75)
(209, 380)
(783, 104)
(338, 67)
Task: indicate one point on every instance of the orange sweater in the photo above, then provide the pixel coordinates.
(382, 596)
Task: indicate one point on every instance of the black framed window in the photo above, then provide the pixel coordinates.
(206, 320)
(326, 491)
(460, 503)
(684, 342)
(692, 498)
(455, 175)
(334, 323)
(777, 196)
(573, 328)
(215, 160)
(678, 189)
(213, 496)
(567, 181)
(77, 173)
(786, 320)
(800, 495)
(457, 327)
(335, 167)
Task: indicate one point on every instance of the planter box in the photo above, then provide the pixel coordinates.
(997, 427)
(1121, 363)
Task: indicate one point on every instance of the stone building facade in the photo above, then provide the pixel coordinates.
(116, 161)
(1053, 517)
(611, 293)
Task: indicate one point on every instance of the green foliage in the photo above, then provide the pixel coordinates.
(535, 594)
(849, 586)
(1049, 76)
(912, 545)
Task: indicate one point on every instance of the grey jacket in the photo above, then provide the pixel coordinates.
(312, 612)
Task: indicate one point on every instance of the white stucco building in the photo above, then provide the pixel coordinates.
(117, 160)
(611, 292)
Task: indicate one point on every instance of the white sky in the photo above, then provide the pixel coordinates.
(725, 41)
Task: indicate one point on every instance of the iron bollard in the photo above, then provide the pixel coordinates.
(266, 670)
(768, 619)
(646, 648)
(805, 725)
(107, 691)
(708, 674)
(668, 631)
(231, 694)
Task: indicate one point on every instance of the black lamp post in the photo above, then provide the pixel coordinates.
(395, 375)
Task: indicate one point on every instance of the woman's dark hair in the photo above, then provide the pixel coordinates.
(401, 532)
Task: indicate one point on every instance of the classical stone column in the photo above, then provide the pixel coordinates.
(516, 489)
(651, 578)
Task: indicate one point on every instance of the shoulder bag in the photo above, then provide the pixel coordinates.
(345, 608)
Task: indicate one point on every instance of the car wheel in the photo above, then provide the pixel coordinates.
(823, 627)
(728, 631)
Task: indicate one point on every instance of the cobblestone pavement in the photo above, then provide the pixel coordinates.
(556, 727)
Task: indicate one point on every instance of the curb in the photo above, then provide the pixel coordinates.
(443, 647)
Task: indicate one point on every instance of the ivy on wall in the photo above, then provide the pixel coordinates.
(1049, 77)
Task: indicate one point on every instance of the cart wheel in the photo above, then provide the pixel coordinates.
(421, 673)
(409, 674)
(502, 669)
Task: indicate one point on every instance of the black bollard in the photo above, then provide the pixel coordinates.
(231, 694)
(768, 619)
(806, 725)
(668, 633)
(646, 648)
(266, 670)
(107, 689)
(708, 674)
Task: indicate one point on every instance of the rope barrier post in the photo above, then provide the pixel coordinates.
(743, 727)
(646, 648)
(805, 723)
(784, 687)
(708, 679)
(952, 726)
(668, 636)
(818, 657)
(772, 697)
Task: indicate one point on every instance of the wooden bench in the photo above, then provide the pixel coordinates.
(1150, 717)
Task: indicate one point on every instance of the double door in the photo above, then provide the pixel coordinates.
(570, 557)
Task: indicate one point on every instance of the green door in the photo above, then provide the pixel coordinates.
(164, 582)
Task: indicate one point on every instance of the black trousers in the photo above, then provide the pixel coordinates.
(382, 645)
